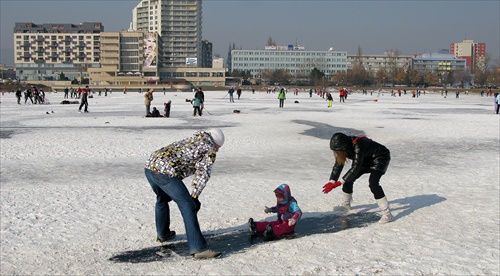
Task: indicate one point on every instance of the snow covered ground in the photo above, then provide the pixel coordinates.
(74, 198)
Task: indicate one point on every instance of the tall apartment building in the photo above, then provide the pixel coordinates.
(474, 53)
(298, 63)
(178, 22)
(44, 51)
(206, 54)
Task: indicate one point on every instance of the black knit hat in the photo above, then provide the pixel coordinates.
(340, 141)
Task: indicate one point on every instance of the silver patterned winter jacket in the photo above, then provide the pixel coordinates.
(193, 155)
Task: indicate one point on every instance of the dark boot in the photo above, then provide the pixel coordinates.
(269, 233)
(252, 227)
(170, 236)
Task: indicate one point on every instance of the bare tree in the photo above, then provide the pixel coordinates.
(392, 56)
(270, 42)
(281, 76)
(450, 78)
(464, 77)
(340, 78)
(358, 75)
(494, 76)
(266, 75)
(382, 76)
(482, 71)
(400, 76)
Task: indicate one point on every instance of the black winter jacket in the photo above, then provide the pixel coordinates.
(366, 155)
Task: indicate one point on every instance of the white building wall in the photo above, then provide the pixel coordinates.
(297, 63)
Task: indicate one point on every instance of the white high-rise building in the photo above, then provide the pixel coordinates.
(178, 22)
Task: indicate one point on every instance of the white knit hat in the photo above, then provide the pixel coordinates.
(217, 136)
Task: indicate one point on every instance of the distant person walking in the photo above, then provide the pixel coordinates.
(282, 97)
(19, 95)
(238, 92)
(231, 92)
(148, 97)
(83, 100)
(342, 95)
(167, 108)
(497, 102)
(329, 98)
(28, 95)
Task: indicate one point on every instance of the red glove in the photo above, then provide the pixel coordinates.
(330, 186)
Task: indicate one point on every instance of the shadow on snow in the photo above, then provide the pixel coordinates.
(238, 241)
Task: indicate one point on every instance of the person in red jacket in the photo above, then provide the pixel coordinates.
(342, 95)
(367, 156)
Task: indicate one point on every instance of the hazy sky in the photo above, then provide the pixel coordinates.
(408, 26)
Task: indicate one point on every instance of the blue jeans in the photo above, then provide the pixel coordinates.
(167, 189)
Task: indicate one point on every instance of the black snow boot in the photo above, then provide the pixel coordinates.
(252, 226)
(269, 233)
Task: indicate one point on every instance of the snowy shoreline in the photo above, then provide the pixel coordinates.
(73, 191)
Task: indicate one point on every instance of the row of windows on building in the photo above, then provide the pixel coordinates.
(54, 37)
(290, 59)
(193, 74)
(285, 65)
(290, 53)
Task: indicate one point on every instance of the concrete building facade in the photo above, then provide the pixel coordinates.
(206, 54)
(373, 63)
(131, 59)
(298, 63)
(127, 58)
(178, 22)
(474, 53)
(43, 51)
(440, 64)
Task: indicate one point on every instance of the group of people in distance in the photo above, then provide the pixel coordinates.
(148, 98)
(168, 166)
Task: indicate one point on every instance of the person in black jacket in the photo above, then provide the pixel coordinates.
(367, 156)
(19, 95)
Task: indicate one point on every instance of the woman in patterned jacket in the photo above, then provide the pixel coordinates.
(165, 170)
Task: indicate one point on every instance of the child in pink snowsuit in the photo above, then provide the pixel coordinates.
(288, 214)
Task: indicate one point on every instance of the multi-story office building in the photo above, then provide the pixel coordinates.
(373, 63)
(128, 58)
(474, 53)
(178, 22)
(298, 63)
(131, 59)
(438, 63)
(44, 51)
(206, 54)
